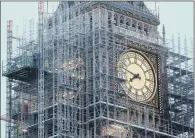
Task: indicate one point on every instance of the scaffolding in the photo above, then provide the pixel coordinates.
(181, 87)
(64, 83)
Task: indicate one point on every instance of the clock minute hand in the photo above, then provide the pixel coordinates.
(129, 71)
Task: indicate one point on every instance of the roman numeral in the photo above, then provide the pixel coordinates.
(143, 94)
(135, 58)
(136, 94)
(130, 87)
(142, 62)
(147, 70)
(148, 89)
(150, 80)
(128, 58)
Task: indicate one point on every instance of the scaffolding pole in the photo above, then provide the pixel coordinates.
(41, 90)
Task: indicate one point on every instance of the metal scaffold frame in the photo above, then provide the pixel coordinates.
(41, 88)
(64, 83)
(8, 82)
(180, 72)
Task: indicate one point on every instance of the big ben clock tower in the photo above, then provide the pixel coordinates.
(128, 93)
(98, 70)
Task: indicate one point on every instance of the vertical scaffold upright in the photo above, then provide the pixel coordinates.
(41, 94)
(9, 81)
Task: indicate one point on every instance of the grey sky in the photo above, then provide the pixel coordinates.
(177, 17)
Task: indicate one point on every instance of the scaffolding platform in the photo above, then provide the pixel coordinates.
(181, 127)
(23, 68)
(178, 69)
(23, 74)
(179, 96)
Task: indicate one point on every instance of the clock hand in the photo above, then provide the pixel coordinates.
(134, 77)
(129, 71)
(131, 79)
(137, 76)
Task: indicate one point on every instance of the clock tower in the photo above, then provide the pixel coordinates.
(98, 70)
(125, 73)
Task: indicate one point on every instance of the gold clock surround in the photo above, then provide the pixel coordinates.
(139, 75)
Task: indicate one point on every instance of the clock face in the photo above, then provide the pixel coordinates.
(138, 75)
(72, 64)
